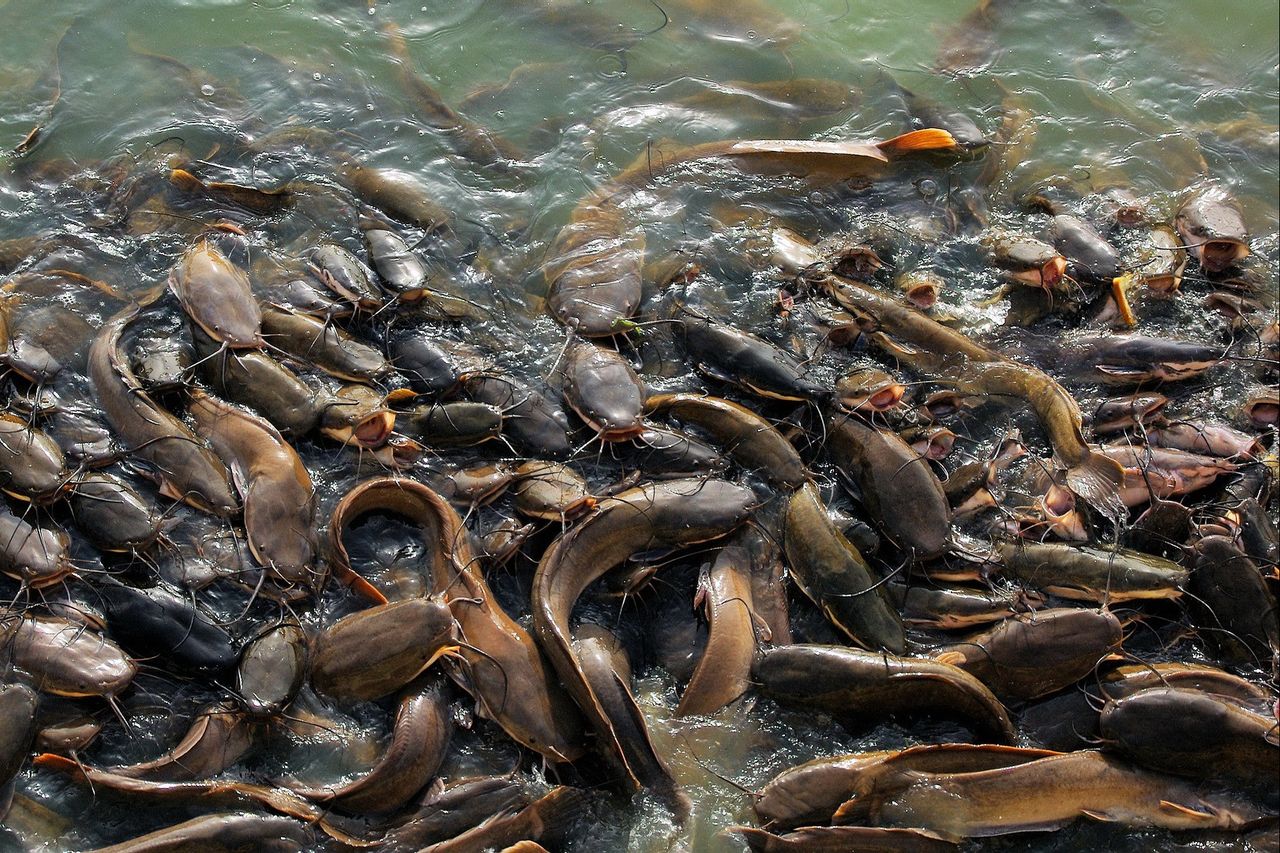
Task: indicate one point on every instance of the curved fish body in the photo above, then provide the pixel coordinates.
(1052, 792)
(896, 484)
(670, 514)
(830, 570)
(279, 500)
(216, 295)
(500, 665)
(723, 673)
(749, 440)
(1033, 655)
(186, 469)
(217, 739)
(595, 274)
(852, 684)
(937, 349)
(608, 671)
(420, 737)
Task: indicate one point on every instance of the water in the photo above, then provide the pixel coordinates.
(1132, 93)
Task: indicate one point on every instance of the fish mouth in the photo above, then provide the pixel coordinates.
(1163, 285)
(935, 446)
(1217, 255)
(881, 400)
(370, 432)
(886, 398)
(923, 295)
(619, 433)
(1053, 271)
(1264, 413)
(1048, 274)
(1129, 216)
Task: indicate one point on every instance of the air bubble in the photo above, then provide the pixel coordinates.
(317, 76)
(207, 90)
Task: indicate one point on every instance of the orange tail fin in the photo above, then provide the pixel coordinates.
(928, 139)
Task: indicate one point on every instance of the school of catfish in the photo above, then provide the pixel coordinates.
(293, 489)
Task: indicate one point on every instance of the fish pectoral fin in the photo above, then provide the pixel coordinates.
(762, 629)
(1117, 370)
(168, 490)
(714, 372)
(950, 658)
(443, 651)
(1185, 811)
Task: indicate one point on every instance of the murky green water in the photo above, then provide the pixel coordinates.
(1148, 95)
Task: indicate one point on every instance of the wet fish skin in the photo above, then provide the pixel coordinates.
(855, 685)
(833, 574)
(1196, 734)
(1054, 791)
(1033, 655)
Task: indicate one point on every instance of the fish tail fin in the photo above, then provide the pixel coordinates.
(561, 809)
(185, 181)
(928, 139)
(1097, 479)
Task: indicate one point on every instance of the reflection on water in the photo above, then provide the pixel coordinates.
(99, 99)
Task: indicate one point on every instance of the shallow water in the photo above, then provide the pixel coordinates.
(1148, 95)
